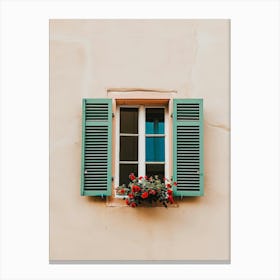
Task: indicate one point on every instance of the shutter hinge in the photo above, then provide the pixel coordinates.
(112, 178)
(113, 115)
(171, 115)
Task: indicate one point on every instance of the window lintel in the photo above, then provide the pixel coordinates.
(141, 96)
(137, 101)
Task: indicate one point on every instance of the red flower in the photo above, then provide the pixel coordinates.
(130, 195)
(164, 179)
(145, 195)
(122, 191)
(135, 188)
(146, 177)
(141, 177)
(170, 198)
(169, 191)
(132, 176)
(127, 201)
(175, 183)
(168, 186)
(152, 192)
(133, 204)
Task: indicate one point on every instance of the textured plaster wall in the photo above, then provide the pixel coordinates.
(86, 58)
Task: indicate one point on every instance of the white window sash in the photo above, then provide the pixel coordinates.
(141, 142)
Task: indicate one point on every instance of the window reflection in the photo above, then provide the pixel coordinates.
(129, 148)
(155, 169)
(125, 170)
(155, 149)
(129, 120)
(154, 120)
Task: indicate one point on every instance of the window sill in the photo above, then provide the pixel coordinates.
(120, 202)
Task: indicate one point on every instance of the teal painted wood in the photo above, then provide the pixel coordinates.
(83, 146)
(188, 151)
(96, 158)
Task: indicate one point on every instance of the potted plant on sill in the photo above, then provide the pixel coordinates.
(144, 189)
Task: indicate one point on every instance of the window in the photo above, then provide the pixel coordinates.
(141, 146)
(142, 137)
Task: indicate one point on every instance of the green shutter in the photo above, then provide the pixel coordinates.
(96, 175)
(188, 169)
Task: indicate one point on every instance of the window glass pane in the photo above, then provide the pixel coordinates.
(129, 120)
(155, 169)
(129, 148)
(154, 120)
(154, 148)
(125, 170)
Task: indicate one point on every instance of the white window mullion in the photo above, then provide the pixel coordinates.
(166, 144)
(117, 150)
(141, 142)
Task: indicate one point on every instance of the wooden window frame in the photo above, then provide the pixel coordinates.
(141, 138)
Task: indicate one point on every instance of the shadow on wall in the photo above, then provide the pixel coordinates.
(188, 199)
(178, 200)
(145, 213)
(96, 199)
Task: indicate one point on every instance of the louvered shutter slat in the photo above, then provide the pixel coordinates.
(188, 147)
(97, 147)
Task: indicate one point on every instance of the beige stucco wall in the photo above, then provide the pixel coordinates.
(87, 57)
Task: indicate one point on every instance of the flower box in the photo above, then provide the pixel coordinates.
(147, 190)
